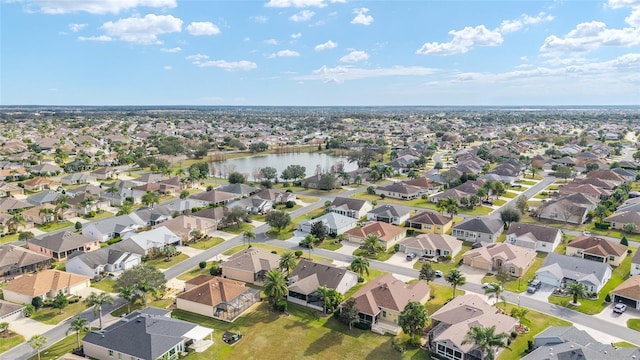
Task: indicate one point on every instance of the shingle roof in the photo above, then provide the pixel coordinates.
(516, 255)
(575, 268)
(485, 225)
(253, 259)
(100, 257)
(213, 291)
(16, 256)
(214, 196)
(308, 275)
(389, 211)
(349, 203)
(44, 281)
(384, 231)
(390, 293)
(595, 245)
(400, 188)
(430, 217)
(431, 242)
(538, 232)
(624, 217)
(62, 241)
(630, 288)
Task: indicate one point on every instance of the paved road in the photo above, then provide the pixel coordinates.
(529, 193)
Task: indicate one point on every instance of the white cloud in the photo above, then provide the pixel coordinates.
(354, 56)
(361, 17)
(295, 3)
(271, 42)
(340, 74)
(203, 61)
(143, 30)
(524, 58)
(77, 27)
(328, 45)
(302, 16)
(285, 53)
(296, 35)
(463, 40)
(634, 18)
(167, 67)
(102, 38)
(171, 50)
(260, 19)
(589, 36)
(98, 6)
(616, 4)
(509, 26)
(203, 28)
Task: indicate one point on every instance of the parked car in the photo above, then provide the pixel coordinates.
(485, 285)
(586, 233)
(438, 273)
(487, 202)
(534, 285)
(620, 308)
(411, 256)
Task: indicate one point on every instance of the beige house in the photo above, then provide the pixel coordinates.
(628, 292)
(45, 284)
(217, 297)
(597, 249)
(184, 226)
(60, 245)
(620, 219)
(388, 234)
(40, 214)
(431, 245)
(493, 257)
(430, 222)
(250, 265)
(382, 299)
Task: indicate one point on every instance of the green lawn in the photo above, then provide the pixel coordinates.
(204, 245)
(307, 198)
(445, 267)
(279, 250)
(301, 335)
(55, 226)
(162, 303)
(527, 182)
(100, 215)
(282, 234)
(8, 238)
(51, 316)
(330, 244)
(58, 349)
(509, 194)
(381, 256)
(309, 216)
(9, 342)
(285, 208)
(440, 294)
(536, 322)
(425, 204)
(613, 233)
(499, 202)
(633, 324)
(591, 307)
(526, 218)
(520, 285)
(238, 230)
(107, 284)
(160, 262)
(195, 272)
(623, 344)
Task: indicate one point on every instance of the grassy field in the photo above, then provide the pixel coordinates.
(591, 307)
(107, 284)
(307, 198)
(51, 316)
(54, 226)
(238, 230)
(279, 250)
(499, 202)
(160, 262)
(330, 244)
(283, 234)
(526, 218)
(162, 303)
(8, 238)
(440, 295)
(195, 272)
(536, 322)
(445, 267)
(509, 194)
(381, 256)
(527, 182)
(7, 343)
(309, 216)
(58, 349)
(520, 285)
(633, 324)
(623, 344)
(204, 245)
(100, 215)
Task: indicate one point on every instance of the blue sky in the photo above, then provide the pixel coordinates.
(319, 52)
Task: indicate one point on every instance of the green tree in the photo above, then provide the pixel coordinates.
(319, 230)
(451, 206)
(235, 216)
(144, 274)
(4, 328)
(97, 300)
(494, 290)
(564, 172)
(413, 320)
(130, 294)
(519, 313)
(37, 302)
(78, 325)
(577, 290)
(327, 181)
(509, 215)
(372, 244)
(275, 286)
(37, 342)
(427, 273)
(600, 212)
(629, 228)
(521, 203)
(236, 178)
(455, 278)
(269, 173)
(349, 313)
(150, 197)
(248, 236)
(60, 301)
(287, 261)
(624, 241)
(486, 340)
(360, 266)
(278, 219)
(26, 236)
(184, 194)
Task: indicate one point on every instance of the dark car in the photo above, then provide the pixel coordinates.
(411, 256)
(534, 285)
(487, 202)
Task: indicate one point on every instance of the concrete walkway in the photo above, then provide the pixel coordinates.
(28, 327)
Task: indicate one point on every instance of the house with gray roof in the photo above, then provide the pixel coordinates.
(389, 214)
(635, 264)
(45, 169)
(184, 206)
(335, 223)
(10, 311)
(59, 245)
(146, 334)
(241, 190)
(399, 190)
(77, 178)
(108, 259)
(354, 208)
(153, 239)
(154, 215)
(253, 205)
(558, 269)
(44, 197)
(108, 228)
(308, 276)
(479, 229)
(535, 237)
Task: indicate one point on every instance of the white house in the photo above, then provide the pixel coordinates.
(100, 261)
(108, 228)
(559, 269)
(535, 237)
(335, 223)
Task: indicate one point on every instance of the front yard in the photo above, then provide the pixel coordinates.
(54, 226)
(278, 250)
(161, 262)
(634, 324)
(204, 245)
(520, 285)
(196, 271)
(445, 267)
(51, 316)
(58, 349)
(107, 284)
(7, 343)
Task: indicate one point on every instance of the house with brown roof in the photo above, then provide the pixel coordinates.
(514, 260)
(46, 284)
(250, 265)
(38, 184)
(628, 292)
(388, 234)
(382, 299)
(431, 245)
(619, 219)
(452, 322)
(597, 249)
(215, 197)
(430, 222)
(586, 189)
(9, 189)
(572, 208)
(16, 260)
(308, 276)
(59, 245)
(350, 207)
(184, 226)
(534, 237)
(399, 190)
(40, 214)
(216, 297)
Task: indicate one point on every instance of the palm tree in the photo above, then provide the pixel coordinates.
(360, 266)
(247, 236)
(38, 341)
(323, 293)
(455, 278)
(451, 205)
(87, 202)
(310, 243)
(130, 294)
(184, 194)
(62, 205)
(372, 245)
(78, 325)
(145, 288)
(494, 289)
(15, 221)
(150, 197)
(275, 286)
(287, 261)
(577, 290)
(4, 327)
(112, 190)
(486, 340)
(97, 300)
(46, 212)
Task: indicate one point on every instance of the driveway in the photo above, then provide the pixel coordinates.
(28, 327)
(542, 294)
(620, 319)
(348, 248)
(400, 259)
(188, 250)
(473, 275)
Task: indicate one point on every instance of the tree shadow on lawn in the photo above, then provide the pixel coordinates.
(324, 344)
(387, 351)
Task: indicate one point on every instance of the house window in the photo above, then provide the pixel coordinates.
(613, 225)
(612, 258)
(637, 266)
(512, 270)
(579, 252)
(384, 314)
(110, 353)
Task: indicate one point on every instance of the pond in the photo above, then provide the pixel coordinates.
(311, 162)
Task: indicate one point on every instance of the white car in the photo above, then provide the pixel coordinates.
(438, 273)
(586, 233)
(620, 308)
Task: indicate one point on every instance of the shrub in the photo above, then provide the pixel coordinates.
(396, 247)
(288, 190)
(281, 305)
(298, 253)
(360, 279)
(274, 252)
(529, 345)
(607, 298)
(37, 302)
(91, 214)
(215, 269)
(327, 203)
(514, 334)
(448, 257)
(362, 326)
(290, 204)
(202, 264)
(78, 226)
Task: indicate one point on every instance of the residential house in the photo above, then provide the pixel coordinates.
(16, 260)
(39, 215)
(215, 197)
(9, 204)
(240, 190)
(59, 245)
(308, 276)
(45, 169)
(389, 214)
(334, 223)
(183, 226)
(215, 214)
(635, 264)
(123, 192)
(628, 292)
(152, 240)
(607, 175)
(46, 284)
(535, 237)
(9, 189)
(108, 259)
(252, 205)
(619, 219)
(496, 257)
(452, 322)
(431, 245)
(38, 184)
(586, 189)
(220, 298)
(382, 299)
(78, 178)
(628, 174)
(354, 208)
(479, 229)
(430, 222)
(387, 234)
(153, 216)
(108, 228)
(250, 265)
(424, 183)
(572, 208)
(276, 197)
(597, 249)
(44, 197)
(399, 190)
(146, 334)
(10, 312)
(86, 203)
(558, 269)
(105, 173)
(184, 206)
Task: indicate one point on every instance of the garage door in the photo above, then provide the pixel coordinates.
(548, 279)
(629, 302)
